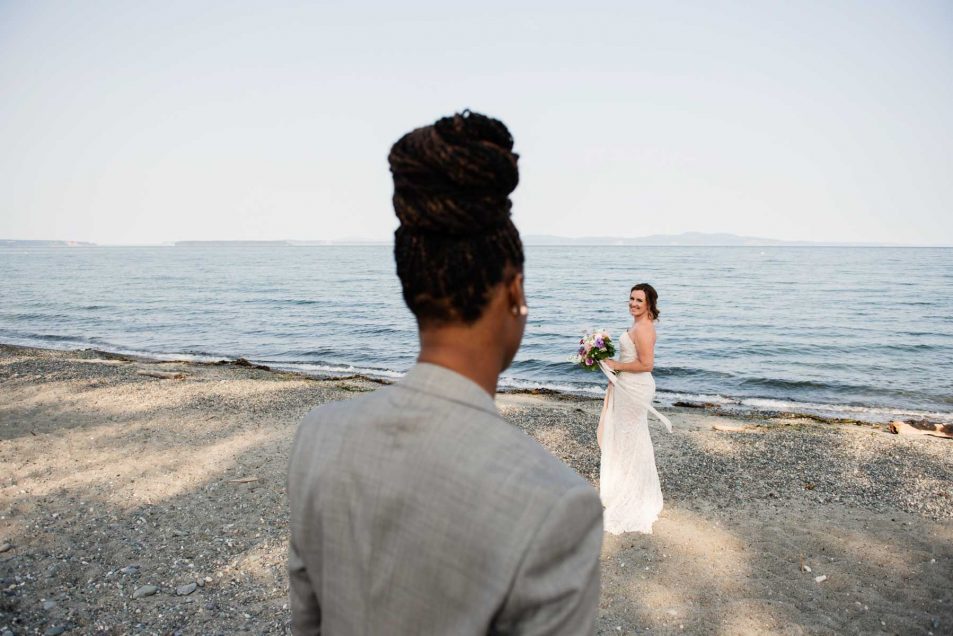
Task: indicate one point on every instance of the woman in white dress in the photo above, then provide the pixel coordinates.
(628, 481)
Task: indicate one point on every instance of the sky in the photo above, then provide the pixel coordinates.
(150, 122)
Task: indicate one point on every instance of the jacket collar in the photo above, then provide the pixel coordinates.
(441, 382)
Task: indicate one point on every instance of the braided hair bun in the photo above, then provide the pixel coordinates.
(452, 182)
(454, 177)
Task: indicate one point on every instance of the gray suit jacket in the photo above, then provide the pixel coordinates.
(417, 509)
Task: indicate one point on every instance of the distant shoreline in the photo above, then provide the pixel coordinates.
(734, 411)
(301, 309)
(685, 239)
(252, 244)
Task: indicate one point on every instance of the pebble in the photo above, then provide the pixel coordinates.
(821, 578)
(130, 569)
(6, 632)
(185, 590)
(145, 590)
(5, 547)
(56, 630)
(48, 605)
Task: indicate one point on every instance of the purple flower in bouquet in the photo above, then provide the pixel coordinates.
(594, 347)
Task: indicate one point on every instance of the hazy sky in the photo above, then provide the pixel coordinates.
(143, 122)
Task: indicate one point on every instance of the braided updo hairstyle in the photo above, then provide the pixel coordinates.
(452, 182)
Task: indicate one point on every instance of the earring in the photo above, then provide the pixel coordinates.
(524, 310)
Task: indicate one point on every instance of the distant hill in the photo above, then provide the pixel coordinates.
(15, 243)
(230, 243)
(686, 238)
(689, 239)
(274, 243)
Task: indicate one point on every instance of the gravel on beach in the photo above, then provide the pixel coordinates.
(148, 497)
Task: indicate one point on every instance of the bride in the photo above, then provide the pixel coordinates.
(628, 481)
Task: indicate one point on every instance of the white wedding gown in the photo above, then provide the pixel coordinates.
(628, 481)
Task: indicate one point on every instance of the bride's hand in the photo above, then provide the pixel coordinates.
(612, 364)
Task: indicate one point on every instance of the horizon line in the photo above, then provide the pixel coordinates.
(550, 241)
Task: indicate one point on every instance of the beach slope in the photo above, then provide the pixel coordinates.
(149, 497)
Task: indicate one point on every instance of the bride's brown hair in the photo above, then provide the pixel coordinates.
(651, 297)
(452, 182)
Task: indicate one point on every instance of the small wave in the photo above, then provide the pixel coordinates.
(197, 353)
(545, 368)
(299, 356)
(690, 372)
(871, 414)
(669, 398)
(54, 337)
(782, 384)
(334, 370)
(29, 316)
(58, 343)
(529, 385)
(68, 343)
(280, 301)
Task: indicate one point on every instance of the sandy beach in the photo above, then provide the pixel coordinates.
(149, 497)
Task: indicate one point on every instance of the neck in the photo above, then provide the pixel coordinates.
(468, 350)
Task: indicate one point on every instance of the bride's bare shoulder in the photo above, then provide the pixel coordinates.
(645, 328)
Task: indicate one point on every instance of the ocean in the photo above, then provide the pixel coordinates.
(835, 332)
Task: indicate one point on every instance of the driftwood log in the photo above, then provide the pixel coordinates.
(162, 375)
(912, 427)
(244, 480)
(729, 428)
(242, 362)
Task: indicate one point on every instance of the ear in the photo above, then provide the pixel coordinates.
(514, 291)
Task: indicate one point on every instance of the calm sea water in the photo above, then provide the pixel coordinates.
(852, 332)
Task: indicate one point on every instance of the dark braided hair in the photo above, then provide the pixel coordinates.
(452, 182)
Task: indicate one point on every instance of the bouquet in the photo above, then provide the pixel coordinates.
(593, 347)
